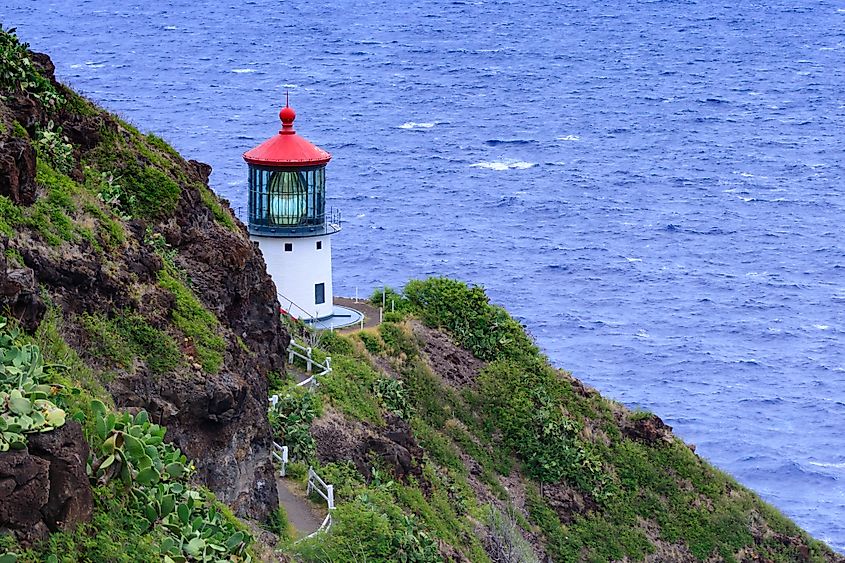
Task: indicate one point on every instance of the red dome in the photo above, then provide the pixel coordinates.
(287, 149)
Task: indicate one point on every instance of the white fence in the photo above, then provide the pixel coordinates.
(316, 484)
(305, 353)
(280, 454)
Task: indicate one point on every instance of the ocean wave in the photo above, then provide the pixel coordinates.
(415, 125)
(500, 165)
(243, 70)
(568, 138)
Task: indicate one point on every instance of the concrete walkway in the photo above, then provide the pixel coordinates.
(370, 313)
(302, 515)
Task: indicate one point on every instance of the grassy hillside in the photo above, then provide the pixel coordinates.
(519, 461)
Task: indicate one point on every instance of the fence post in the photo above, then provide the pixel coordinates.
(284, 460)
(380, 314)
(330, 491)
(308, 365)
(328, 364)
(290, 352)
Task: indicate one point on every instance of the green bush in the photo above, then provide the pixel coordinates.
(523, 401)
(484, 329)
(290, 420)
(336, 344)
(397, 342)
(349, 388)
(371, 528)
(394, 397)
(18, 73)
(53, 146)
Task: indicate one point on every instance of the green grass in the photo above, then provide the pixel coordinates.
(128, 336)
(221, 215)
(196, 322)
(349, 388)
(156, 194)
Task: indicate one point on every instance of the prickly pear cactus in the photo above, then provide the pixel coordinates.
(25, 405)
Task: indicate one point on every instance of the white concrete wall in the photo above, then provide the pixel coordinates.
(296, 272)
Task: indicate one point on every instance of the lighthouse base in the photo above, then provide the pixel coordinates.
(341, 317)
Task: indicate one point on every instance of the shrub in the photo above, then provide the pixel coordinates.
(54, 147)
(19, 74)
(394, 397)
(484, 329)
(290, 420)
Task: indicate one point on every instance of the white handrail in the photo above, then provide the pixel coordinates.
(280, 454)
(293, 352)
(328, 496)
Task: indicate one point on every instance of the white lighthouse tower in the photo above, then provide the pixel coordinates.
(288, 219)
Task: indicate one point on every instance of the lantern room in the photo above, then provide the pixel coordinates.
(288, 219)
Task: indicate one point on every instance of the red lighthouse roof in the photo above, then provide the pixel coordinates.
(287, 149)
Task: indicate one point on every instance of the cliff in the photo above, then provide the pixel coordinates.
(120, 244)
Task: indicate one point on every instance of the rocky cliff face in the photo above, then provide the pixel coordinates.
(44, 488)
(123, 239)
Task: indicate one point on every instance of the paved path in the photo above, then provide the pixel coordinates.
(370, 313)
(301, 512)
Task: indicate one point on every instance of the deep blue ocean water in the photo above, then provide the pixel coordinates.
(655, 188)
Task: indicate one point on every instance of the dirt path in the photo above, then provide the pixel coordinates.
(301, 512)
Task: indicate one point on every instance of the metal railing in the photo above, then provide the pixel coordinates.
(298, 351)
(291, 307)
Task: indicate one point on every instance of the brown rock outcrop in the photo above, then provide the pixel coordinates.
(45, 488)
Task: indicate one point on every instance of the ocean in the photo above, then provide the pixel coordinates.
(654, 188)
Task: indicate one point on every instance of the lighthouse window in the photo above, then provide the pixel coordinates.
(319, 293)
(288, 247)
(319, 245)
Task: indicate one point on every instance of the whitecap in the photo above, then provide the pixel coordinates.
(826, 464)
(500, 165)
(415, 125)
(643, 334)
(242, 70)
(569, 138)
(633, 259)
(170, 27)
(360, 215)
(821, 327)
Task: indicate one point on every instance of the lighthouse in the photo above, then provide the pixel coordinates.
(288, 219)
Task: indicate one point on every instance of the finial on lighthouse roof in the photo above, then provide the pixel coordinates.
(287, 115)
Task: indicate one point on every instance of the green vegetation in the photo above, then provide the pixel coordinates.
(291, 417)
(485, 330)
(25, 391)
(54, 147)
(195, 322)
(146, 508)
(153, 193)
(519, 419)
(127, 337)
(18, 73)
